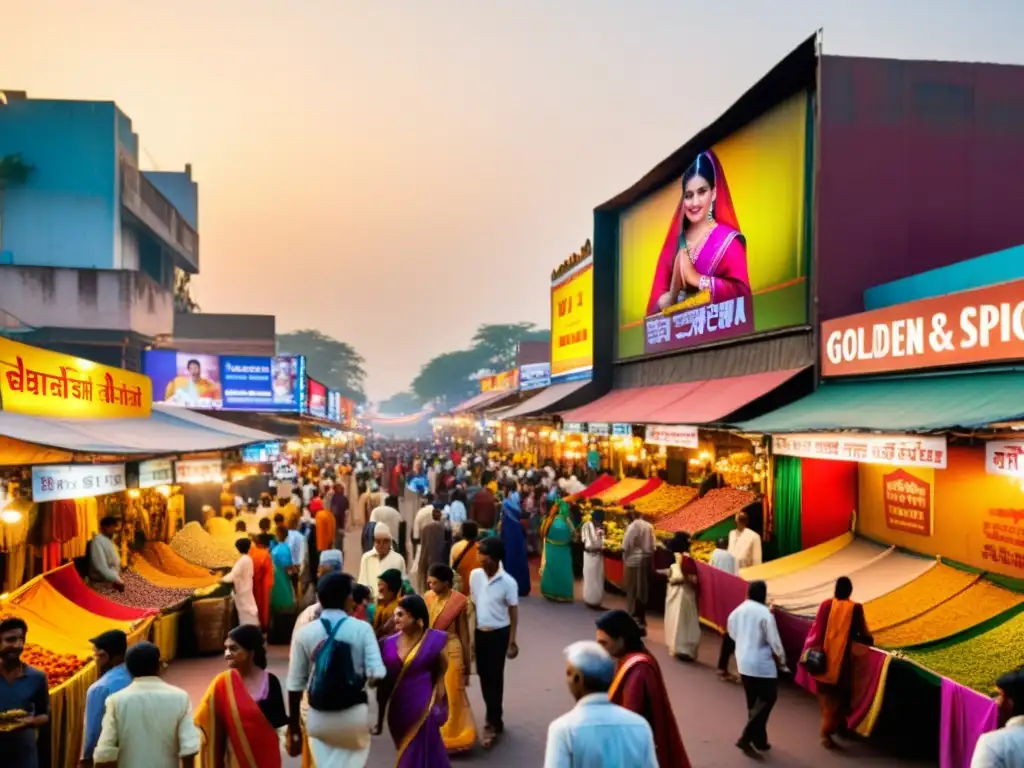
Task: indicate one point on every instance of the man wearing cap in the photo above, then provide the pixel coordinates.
(379, 559)
(389, 515)
(1005, 748)
(108, 652)
(331, 561)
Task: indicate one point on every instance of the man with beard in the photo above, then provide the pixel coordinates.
(22, 689)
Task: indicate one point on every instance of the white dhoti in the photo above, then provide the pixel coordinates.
(593, 578)
(682, 618)
(338, 739)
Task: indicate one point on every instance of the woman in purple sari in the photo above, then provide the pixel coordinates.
(704, 256)
(416, 662)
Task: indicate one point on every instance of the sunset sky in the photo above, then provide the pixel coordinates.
(395, 173)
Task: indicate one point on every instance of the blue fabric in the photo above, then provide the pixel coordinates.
(113, 681)
(512, 533)
(296, 544)
(281, 554)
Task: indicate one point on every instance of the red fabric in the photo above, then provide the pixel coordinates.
(720, 593)
(692, 402)
(643, 692)
(647, 488)
(828, 497)
(603, 483)
(65, 520)
(315, 505)
(67, 581)
(262, 582)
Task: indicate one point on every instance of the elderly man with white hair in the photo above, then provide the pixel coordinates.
(379, 559)
(597, 733)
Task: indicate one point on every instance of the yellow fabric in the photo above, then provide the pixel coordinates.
(165, 635)
(155, 576)
(837, 637)
(67, 717)
(459, 732)
(59, 625)
(14, 574)
(867, 725)
(621, 490)
(175, 515)
(13, 535)
(16, 453)
(798, 561)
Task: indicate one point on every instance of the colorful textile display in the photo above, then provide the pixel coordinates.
(797, 562)
(916, 598)
(68, 583)
(966, 715)
(603, 483)
(646, 489)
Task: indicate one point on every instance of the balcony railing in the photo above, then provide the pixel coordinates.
(147, 202)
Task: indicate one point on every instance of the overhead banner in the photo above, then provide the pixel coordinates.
(674, 436)
(37, 382)
(908, 503)
(901, 450)
(1005, 457)
(721, 252)
(572, 318)
(76, 481)
(316, 403)
(198, 471)
(985, 325)
(506, 381)
(156, 473)
(229, 382)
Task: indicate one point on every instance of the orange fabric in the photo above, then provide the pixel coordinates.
(262, 581)
(228, 715)
(326, 526)
(468, 563)
(837, 637)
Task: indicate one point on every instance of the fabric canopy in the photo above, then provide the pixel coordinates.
(692, 402)
(919, 403)
(546, 400)
(167, 430)
(482, 401)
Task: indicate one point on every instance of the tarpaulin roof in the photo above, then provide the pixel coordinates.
(912, 404)
(546, 400)
(482, 400)
(167, 430)
(691, 402)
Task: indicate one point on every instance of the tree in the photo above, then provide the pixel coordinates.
(183, 301)
(448, 378)
(500, 343)
(401, 404)
(336, 364)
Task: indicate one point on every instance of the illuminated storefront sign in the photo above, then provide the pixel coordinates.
(901, 450)
(76, 481)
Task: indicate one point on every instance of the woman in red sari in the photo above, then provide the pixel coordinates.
(639, 686)
(243, 708)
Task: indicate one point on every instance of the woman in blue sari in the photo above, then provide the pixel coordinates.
(416, 661)
(556, 577)
(514, 536)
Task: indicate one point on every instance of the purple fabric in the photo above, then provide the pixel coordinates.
(411, 698)
(793, 631)
(720, 594)
(966, 715)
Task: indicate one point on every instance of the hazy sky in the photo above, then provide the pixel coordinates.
(395, 173)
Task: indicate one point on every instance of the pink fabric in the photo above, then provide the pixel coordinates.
(966, 715)
(720, 594)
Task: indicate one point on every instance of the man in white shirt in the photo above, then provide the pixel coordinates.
(744, 544)
(759, 656)
(597, 733)
(149, 723)
(422, 517)
(722, 559)
(389, 515)
(637, 553)
(379, 559)
(495, 596)
(342, 737)
(241, 578)
(1004, 748)
(104, 559)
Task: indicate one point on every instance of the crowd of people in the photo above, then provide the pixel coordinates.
(427, 606)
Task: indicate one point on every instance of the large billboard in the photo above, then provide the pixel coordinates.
(229, 382)
(572, 319)
(723, 251)
(316, 405)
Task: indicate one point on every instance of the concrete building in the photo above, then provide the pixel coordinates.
(89, 244)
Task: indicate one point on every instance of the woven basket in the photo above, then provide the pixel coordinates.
(211, 623)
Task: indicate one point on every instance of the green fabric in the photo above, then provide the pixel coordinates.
(718, 530)
(788, 483)
(281, 595)
(922, 402)
(556, 579)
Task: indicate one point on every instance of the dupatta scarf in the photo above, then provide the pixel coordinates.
(228, 715)
(414, 718)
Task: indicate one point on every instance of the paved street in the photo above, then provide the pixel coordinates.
(710, 712)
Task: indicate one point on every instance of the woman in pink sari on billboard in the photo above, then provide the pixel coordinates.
(704, 258)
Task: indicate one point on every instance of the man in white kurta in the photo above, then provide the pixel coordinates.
(379, 559)
(744, 544)
(593, 563)
(240, 577)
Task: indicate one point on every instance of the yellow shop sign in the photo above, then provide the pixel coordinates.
(37, 382)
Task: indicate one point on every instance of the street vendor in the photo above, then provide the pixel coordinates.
(104, 560)
(24, 696)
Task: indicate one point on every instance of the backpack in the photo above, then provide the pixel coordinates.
(334, 685)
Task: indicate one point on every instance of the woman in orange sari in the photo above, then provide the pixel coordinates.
(465, 555)
(838, 625)
(243, 708)
(262, 576)
(449, 612)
